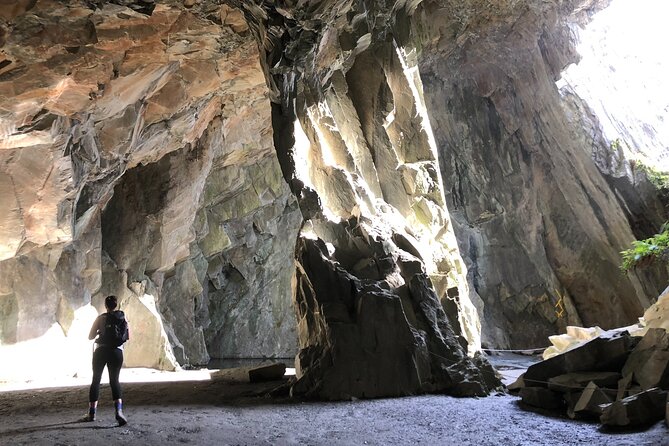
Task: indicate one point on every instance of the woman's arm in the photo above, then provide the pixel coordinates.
(94, 329)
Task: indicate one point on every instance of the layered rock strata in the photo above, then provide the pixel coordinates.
(137, 159)
(167, 193)
(377, 262)
(539, 225)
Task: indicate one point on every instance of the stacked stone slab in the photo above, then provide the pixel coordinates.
(621, 379)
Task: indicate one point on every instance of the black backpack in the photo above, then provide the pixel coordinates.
(115, 329)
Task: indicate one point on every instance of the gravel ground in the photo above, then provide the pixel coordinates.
(210, 412)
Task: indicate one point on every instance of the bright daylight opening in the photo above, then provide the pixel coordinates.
(69, 360)
(301, 154)
(623, 77)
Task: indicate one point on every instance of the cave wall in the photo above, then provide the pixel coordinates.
(536, 216)
(407, 173)
(137, 159)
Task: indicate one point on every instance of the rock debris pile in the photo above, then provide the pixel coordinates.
(622, 380)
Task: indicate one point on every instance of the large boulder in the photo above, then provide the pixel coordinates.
(374, 338)
(642, 409)
(649, 361)
(252, 374)
(542, 398)
(606, 353)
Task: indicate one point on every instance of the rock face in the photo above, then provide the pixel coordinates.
(642, 409)
(606, 353)
(162, 186)
(376, 263)
(366, 337)
(657, 315)
(266, 372)
(649, 362)
(137, 159)
(537, 222)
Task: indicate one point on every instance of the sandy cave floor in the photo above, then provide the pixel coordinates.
(216, 412)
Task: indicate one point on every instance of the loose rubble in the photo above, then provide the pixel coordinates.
(621, 379)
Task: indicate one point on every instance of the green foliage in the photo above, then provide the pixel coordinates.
(654, 249)
(656, 178)
(646, 252)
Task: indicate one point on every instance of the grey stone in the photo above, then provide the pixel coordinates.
(139, 167)
(270, 372)
(649, 361)
(590, 402)
(551, 210)
(261, 373)
(517, 385)
(624, 387)
(542, 398)
(367, 340)
(179, 301)
(641, 409)
(606, 353)
(572, 382)
(162, 173)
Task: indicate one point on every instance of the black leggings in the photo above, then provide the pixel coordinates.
(112, 357)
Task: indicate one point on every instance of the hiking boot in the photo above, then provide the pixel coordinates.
(122, 420)
(88, 417)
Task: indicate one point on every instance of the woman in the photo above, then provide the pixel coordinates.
(110, 331)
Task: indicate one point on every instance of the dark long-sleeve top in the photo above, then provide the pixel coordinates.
(97, 327)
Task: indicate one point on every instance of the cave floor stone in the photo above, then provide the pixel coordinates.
(209, 412)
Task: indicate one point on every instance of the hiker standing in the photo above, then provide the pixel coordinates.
(111, 329)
